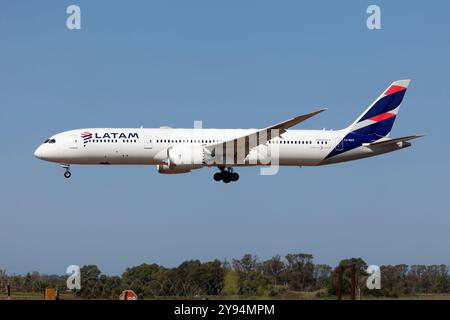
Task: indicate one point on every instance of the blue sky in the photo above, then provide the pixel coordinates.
(232, 64)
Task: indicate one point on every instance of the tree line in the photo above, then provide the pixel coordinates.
(248, 276)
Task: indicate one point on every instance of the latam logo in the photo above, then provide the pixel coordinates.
(116, 135)
(87, 136)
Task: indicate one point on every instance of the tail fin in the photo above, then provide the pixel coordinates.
(379, 118)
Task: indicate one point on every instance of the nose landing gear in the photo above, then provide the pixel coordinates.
(67, 173)
(226, 175)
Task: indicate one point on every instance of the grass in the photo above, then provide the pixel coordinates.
(288, 296)
(33, 296)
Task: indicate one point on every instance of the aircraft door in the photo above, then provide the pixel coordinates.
(148, 142)
(73, 142)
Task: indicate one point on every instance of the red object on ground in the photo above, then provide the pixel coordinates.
(128, 295)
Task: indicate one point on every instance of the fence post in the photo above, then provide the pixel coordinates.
(340, 281)
(353, 282)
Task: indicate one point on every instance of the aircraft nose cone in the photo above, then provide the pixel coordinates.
(38, 152)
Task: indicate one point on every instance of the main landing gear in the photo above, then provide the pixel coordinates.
(226, 175)
(67, 173)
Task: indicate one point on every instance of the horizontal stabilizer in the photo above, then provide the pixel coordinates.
(393, 141)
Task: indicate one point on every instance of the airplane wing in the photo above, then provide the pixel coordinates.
(395, 140)
(243, 145)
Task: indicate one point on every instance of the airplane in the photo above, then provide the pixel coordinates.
(176, 150)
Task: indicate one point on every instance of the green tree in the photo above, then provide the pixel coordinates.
(231, 283)
(252, 280)
(141, 278)
(111, 286)
(91, 286)
(273, 269)
(322, 276)
(394, 280)
(299, 273)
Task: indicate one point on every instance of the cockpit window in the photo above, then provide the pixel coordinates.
(46, 140)
(51, 141)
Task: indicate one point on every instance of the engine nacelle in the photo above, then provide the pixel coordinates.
(191, 157)
(182, 159)
(165, 169)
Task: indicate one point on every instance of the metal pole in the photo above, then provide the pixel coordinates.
(340, 282)
(353, 282)
(8, 290)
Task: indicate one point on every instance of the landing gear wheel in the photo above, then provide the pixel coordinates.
(226, 175)
(227, 178)
(67, 174)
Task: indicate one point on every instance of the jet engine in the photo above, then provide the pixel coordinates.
(165, 169)
(182, 159)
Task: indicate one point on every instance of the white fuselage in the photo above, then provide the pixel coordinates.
(149, 146)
